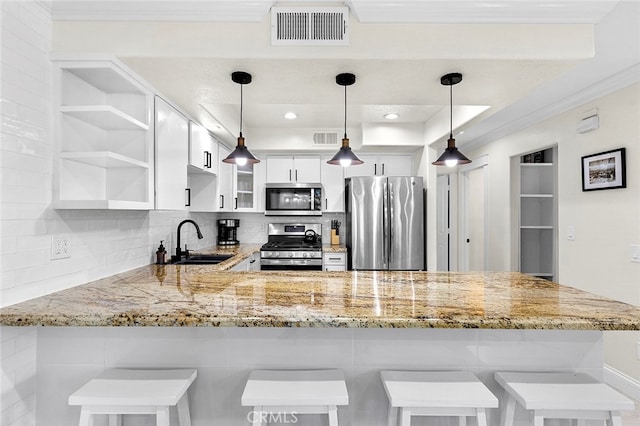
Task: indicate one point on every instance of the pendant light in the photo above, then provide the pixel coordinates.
(241, 155)
(345, 157)
(451, 156)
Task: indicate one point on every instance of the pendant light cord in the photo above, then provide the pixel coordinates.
(241, 97)
(451, 111)
(345, 111)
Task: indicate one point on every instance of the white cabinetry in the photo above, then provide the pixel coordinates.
(538, 214)
(288, 168)
(172, 151)
(250, 264)
(203, 168)
(332, 185)
(382, 165)
(103, 137)
(225, 181)
(203, 150)
(238, 186)
(334, 261)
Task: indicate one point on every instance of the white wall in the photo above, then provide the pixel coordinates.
(606, 222)
(102, 242)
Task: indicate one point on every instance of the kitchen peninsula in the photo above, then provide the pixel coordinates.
(227, 323)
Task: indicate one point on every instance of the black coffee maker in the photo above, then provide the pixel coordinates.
(228, 232)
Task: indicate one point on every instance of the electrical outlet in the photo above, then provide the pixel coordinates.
(60, 247)
(635, 253)
(571, 233)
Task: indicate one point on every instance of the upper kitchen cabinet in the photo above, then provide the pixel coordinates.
(225, 181)
(332, 185)
(382, 165)
(293, 168)
(203, 150)
(172, 152)
(103, 134)
(239, 186)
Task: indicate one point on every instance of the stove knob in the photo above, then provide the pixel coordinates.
(305, 254)
(291, 254)
(276, 254)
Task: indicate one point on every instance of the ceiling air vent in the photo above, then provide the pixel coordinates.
(304, 26)
(328, 138)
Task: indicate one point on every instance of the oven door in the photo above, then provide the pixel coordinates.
(291, 264)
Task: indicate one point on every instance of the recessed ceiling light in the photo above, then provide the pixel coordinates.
(391, 116)
(291, 115)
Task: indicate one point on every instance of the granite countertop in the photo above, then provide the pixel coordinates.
(208, 295)
(334, 248)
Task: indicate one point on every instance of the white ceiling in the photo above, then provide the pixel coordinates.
(518, 58)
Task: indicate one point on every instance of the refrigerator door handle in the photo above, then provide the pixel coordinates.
(386, 226)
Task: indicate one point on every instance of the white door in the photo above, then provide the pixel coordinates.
(279, 168)
(395, 165)
(172, 155)
(368, 168)
(443, 223)
(332, 185)
(226, 173)
(475, 214)
(306, 169)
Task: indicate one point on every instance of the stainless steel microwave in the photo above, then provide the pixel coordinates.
(293, 199)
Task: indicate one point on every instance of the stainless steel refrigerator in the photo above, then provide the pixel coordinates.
(384, 223)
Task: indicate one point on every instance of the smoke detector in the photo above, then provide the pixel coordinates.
(310, 26)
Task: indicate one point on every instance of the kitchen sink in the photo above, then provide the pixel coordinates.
(203, 259)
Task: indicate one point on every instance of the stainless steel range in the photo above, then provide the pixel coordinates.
(292, 246)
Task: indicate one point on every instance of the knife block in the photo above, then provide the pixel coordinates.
(335, 238)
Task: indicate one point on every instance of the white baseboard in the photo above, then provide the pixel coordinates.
(622, 382)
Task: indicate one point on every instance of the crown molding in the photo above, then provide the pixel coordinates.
(162, 10)
(620, 80)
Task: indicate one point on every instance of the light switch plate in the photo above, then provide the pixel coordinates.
(635, 253)
(571, 233)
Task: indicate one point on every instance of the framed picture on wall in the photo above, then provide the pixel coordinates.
(605, 170)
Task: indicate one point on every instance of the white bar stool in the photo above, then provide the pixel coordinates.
(562, 395)
(436, 393)
(118, 392)
(280, 395)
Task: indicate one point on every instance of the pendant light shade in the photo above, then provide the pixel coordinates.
(241, 154)
(345, 157)
(451, 156)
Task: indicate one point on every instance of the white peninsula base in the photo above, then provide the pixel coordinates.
(67, 357)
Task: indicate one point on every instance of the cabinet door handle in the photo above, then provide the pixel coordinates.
(326, 204)
(382, 169)
(187, 202)
(206, 159)
(209, 159)
(236, 203)
(222, 201)
(289, 174)
(296, 175)
(252, 261)
(334, 258)
(375, 169)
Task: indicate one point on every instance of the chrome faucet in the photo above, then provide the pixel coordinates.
(179, 251)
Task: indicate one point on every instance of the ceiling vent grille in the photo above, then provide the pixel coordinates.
(320, 26)
(326, 138)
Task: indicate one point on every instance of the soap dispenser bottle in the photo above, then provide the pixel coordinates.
(161, 254)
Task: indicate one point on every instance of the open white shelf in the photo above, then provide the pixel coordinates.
(104, 116)
(103, 137)
(538, 215)
(104, 159)
(101, 205)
